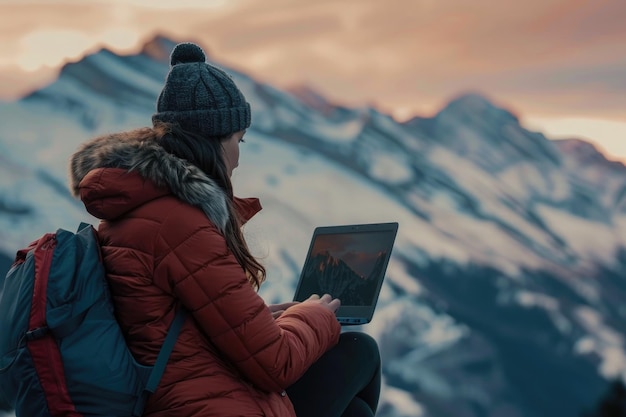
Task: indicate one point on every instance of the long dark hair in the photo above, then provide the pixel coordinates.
(206, 153)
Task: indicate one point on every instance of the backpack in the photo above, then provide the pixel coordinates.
(62, 352)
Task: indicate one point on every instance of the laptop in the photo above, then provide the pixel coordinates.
(348, 262)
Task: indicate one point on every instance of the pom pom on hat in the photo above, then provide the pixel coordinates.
(200, 97)
(187, 52)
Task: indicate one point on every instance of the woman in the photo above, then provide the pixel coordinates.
(171, 238)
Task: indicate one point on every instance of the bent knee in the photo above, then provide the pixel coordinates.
(360, 344)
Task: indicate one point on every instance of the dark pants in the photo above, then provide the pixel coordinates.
(344, 382)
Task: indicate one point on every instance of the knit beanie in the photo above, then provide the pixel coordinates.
(200, 97)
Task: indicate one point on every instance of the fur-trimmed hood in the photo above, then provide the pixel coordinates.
(138, 151)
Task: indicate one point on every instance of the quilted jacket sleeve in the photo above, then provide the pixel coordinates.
(205, 276)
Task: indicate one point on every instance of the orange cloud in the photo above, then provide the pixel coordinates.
(559, 56)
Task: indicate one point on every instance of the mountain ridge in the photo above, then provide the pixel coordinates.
(509, 253)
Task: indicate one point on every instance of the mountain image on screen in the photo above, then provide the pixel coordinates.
(326, 274)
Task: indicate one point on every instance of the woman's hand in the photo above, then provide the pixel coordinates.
(326, 301)
(278, 309)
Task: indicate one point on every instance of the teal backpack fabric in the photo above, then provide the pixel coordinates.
(62, 352)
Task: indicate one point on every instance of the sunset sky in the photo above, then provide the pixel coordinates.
(560, 65)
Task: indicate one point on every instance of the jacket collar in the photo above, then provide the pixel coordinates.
(137, 152)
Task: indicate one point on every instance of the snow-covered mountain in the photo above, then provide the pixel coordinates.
(504, 291)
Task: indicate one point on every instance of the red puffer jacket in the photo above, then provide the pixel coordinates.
(163, 249)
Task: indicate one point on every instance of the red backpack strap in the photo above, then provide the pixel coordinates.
(41, 345)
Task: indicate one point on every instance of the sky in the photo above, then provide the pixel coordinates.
(559, 65)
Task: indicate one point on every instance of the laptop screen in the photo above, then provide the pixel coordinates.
(348, 262)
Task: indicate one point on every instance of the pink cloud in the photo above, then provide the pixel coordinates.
(538, 54)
